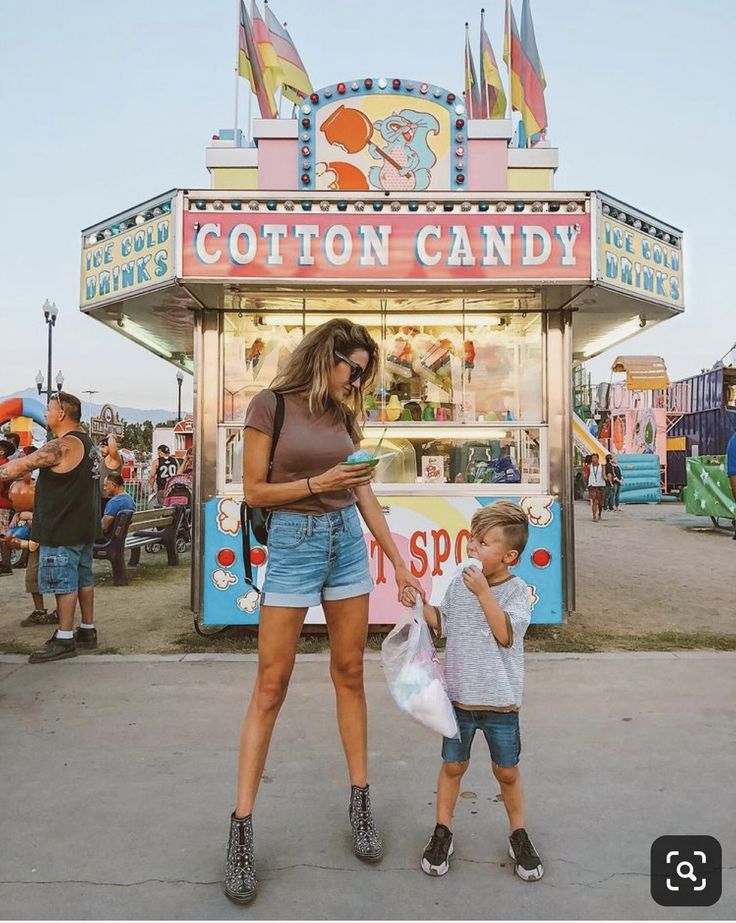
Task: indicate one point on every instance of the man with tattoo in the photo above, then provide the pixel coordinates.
(65, 523)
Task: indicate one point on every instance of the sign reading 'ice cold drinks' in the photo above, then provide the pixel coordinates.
(377, 248)
(638, 263)
(128, 262)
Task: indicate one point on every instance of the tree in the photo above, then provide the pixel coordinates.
(138, 436)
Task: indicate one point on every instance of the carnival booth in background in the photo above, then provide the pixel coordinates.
(383, 201)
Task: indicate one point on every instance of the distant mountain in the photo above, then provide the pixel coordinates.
(129, 414)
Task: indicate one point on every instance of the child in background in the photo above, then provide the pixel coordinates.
(484, 615)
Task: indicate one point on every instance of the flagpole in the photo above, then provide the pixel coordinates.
(507, 29)
(468, 87)
(237, 71)
(482, 67)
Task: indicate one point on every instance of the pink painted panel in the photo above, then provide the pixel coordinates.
(487, 165)
(277, 163)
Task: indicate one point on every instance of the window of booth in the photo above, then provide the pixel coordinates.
(459, 386)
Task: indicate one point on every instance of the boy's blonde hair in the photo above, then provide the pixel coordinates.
(508, 517)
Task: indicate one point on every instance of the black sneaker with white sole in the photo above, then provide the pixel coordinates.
(527, 863)
(436, 857)
(86, 638)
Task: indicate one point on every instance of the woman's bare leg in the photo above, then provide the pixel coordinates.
(347, 623)
(278, 634)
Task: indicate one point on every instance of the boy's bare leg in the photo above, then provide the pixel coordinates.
(509, 778)
(87, 604)
(66, 603)
(448, 789)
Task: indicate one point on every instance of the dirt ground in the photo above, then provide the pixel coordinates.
(649, 577)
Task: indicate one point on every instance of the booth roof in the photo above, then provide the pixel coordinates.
(644, 373)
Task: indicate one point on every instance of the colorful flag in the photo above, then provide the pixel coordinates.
(534, 111)
(269, 59)
(250, 66)
(512, 57)
(245, 68)
(492, 93)
(472, 90)
(296, 85)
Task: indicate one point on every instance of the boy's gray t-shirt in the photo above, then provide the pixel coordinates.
(480, 672)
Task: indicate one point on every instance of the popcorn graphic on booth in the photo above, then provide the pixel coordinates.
(538, 510)
(223, 579)
(228, 516)
(248, 602)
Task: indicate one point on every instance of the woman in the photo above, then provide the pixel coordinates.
(316, 554)
(596, 486)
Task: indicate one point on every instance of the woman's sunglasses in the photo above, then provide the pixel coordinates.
(356, 371)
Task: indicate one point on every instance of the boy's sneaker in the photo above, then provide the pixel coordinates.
(240, 882)
(527, 863)
(367, 842)
(39, 617)
(86, 638)
(436, 858)
(54, 649)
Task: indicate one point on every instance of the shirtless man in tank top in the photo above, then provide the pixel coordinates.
(65, 523)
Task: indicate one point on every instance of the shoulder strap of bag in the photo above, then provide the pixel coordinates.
(245, 512)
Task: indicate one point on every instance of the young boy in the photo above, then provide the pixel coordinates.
(484, 616)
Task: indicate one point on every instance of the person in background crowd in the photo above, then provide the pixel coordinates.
(731, 467)
(586, 470)
(6, 509)
(14, 438)
(65, 523)
(614, 480)
(163, 468)
(116, 500)
(596, 486)
(112, 463)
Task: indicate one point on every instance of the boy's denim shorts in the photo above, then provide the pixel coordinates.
(64, 568)
(315, 557)
(500, 729)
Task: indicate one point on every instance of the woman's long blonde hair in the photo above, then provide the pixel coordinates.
(310, 364)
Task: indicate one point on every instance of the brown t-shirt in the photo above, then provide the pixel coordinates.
(308, 445)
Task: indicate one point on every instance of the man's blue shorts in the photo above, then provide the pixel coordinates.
(315, 557)
(64, 568)
(500, 729)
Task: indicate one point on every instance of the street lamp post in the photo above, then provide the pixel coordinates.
(50, 313)
(91, 394)
(179, 380)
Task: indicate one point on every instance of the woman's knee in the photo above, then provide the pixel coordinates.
(270, 691)
(455, 770)
(507, 775)
(347, 673)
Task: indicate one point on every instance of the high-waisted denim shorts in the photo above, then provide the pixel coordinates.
(311, 558)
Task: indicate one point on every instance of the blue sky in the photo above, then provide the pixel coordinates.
(105, 105)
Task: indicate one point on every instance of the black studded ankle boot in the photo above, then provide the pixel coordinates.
(366, 839)
(241, 883)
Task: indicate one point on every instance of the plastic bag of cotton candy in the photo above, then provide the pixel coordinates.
(414, 674)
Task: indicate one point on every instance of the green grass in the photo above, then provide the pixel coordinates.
(572, 638)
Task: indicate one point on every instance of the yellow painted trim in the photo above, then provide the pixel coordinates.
(525, 179)
(676, 444)
(234, 177)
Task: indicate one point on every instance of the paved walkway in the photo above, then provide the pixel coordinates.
(118, 781)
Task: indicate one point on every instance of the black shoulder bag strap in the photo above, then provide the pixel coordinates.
(278, 422)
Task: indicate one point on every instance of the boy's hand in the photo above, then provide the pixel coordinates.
(474, 580)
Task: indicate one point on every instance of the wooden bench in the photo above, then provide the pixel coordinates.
(133, 531)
